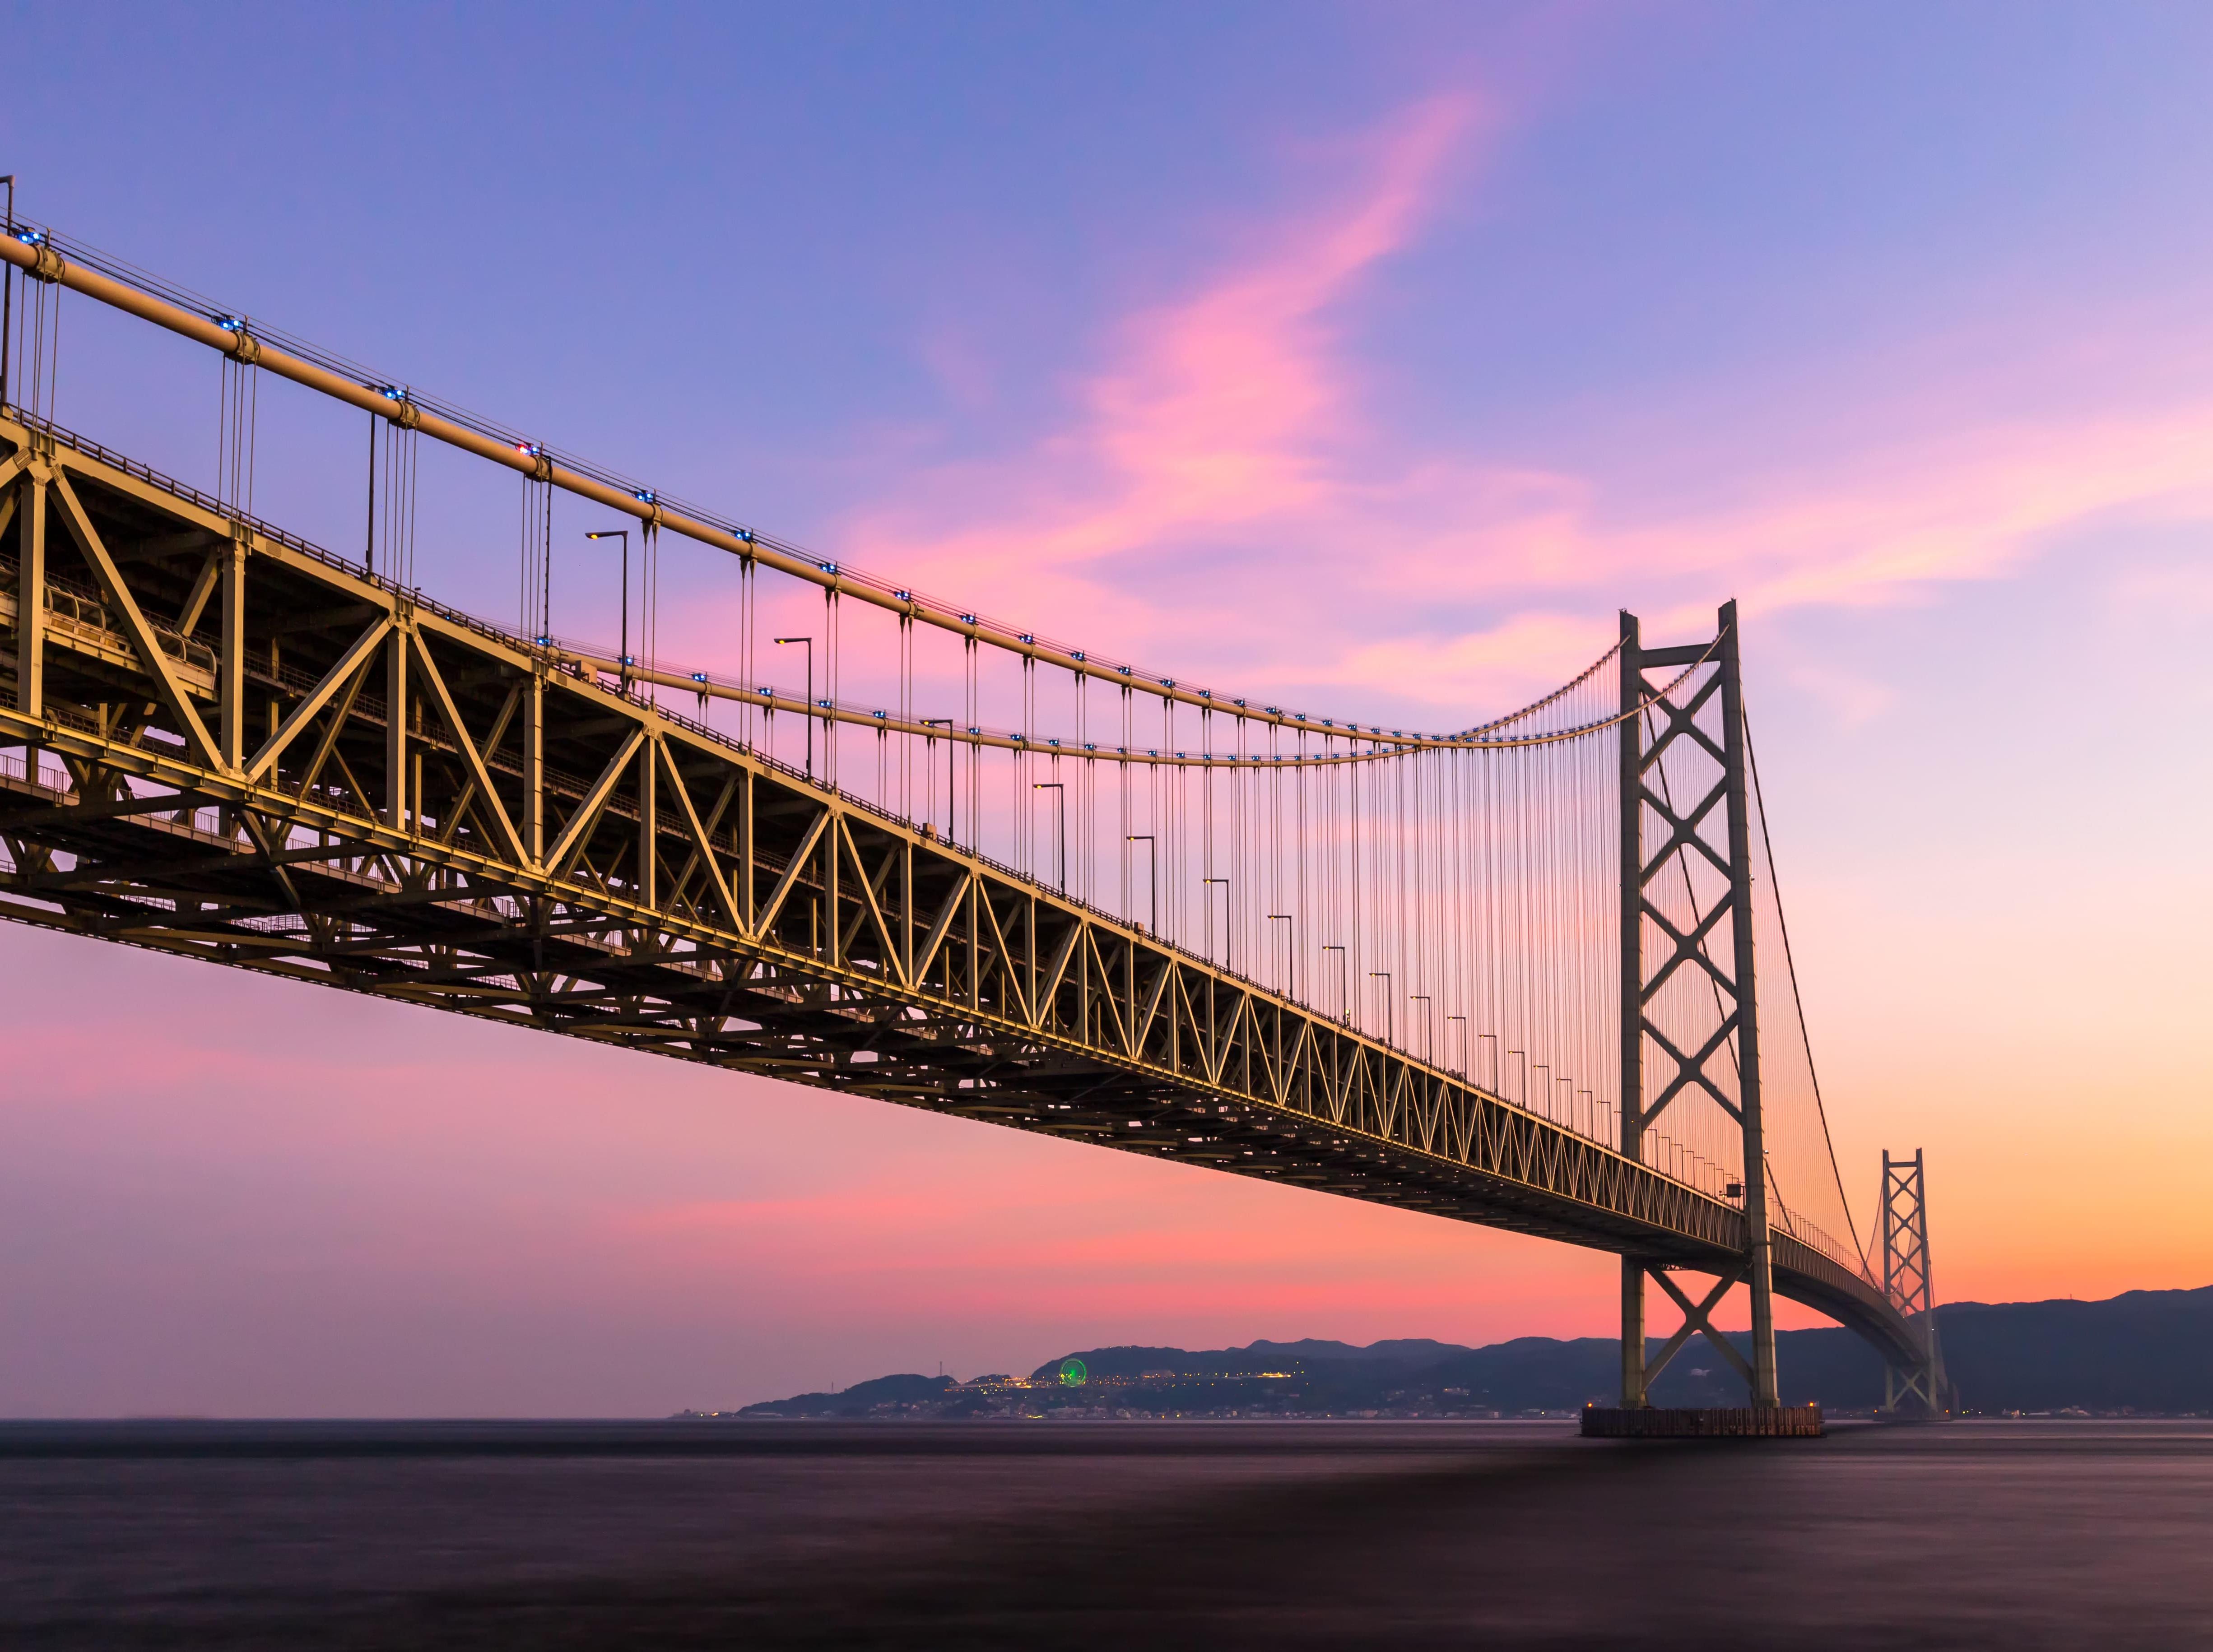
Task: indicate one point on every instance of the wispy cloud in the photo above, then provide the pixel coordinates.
(1227, 442)
(1223, 411)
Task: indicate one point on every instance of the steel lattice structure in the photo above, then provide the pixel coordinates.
(1910, 1284)
(235, 746)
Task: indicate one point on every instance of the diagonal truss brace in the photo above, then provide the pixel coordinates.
(1697, 1317)
(135, 626)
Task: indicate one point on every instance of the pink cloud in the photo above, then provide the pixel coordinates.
(1218, 409)
(1226, 438)
(1884, 523)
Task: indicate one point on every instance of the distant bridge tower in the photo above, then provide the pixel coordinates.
(1710, 771)
(1907, 1282)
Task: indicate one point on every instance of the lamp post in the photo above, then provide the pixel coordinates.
(1430, 1052)
(1493, 1037)
(945, 723)
(1462, 1020)
(1291, 955)
(1059, 789)
(622, 534)
(810, 640)
(7, 304)
(1153, 879)
(1390, 1008)
(1344, 985)
(1227, 909)
(1524, 1103)
(369, 543)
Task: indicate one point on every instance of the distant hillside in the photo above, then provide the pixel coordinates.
(2145, 1350)
(2149, 1349)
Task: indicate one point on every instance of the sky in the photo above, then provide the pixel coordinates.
(1377, 354)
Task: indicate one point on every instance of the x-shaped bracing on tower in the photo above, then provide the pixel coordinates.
(1697, 1317)
(1656, 724)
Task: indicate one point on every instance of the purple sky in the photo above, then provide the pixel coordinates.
(1375, 355)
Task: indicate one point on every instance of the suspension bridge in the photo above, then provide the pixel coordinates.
(1531, 973)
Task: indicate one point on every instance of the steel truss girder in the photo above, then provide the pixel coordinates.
(689, 897)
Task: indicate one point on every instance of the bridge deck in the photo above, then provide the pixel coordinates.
(252, 752)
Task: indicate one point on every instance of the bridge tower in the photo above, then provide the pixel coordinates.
(1909, 1283)
(1659, 827)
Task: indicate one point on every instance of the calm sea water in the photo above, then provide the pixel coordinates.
(2020, 1535)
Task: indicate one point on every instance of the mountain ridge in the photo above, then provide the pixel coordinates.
(2148, 1352)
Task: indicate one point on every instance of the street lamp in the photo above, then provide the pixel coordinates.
(945, 723)
(1493, 1037)
(1462, 1020)
(622, 534)
(1430, 1053)
(810, 640)
(1291, 953)
(7, 304)
(1153, 880)
(1226, 910)
(1344, 986)
(1390, 1007)
(1060, 796)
